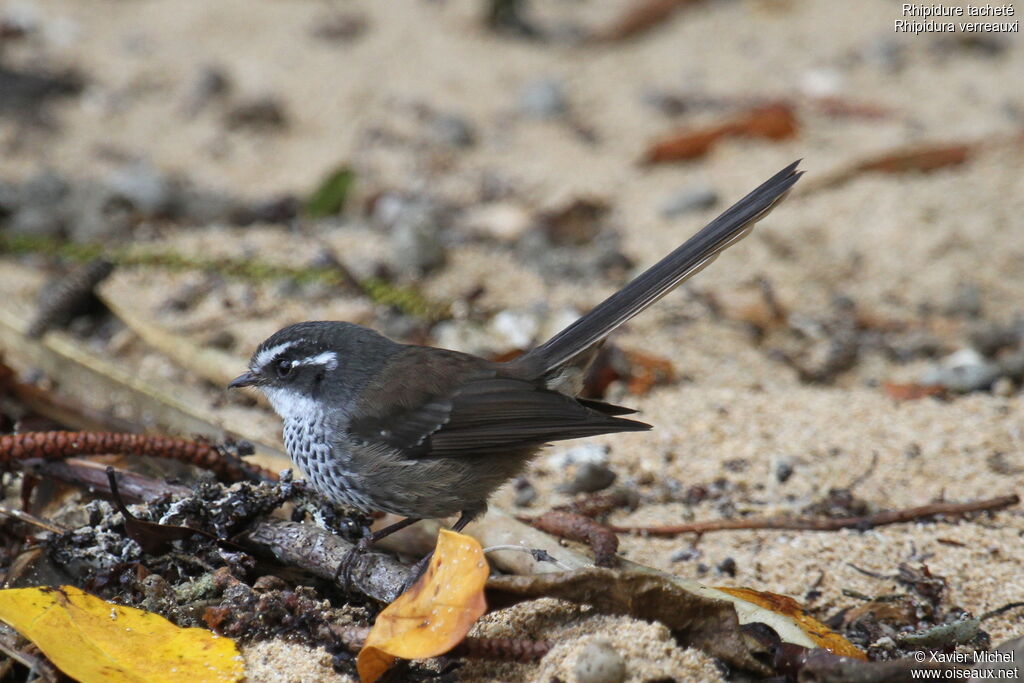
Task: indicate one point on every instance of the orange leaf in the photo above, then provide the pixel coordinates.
(772, 122)
(435, 614)
(786, 606)
(911, 392)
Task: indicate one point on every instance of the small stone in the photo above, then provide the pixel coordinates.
(44, 189)
(1003, 387)
(688, 200)
(416, 242)
(526, 494)
(783, 471)
(686, 554)
(544, 99)
(821, 82)
(599, 662)
(589, 477)
(147, 189)
(966, 301)
(727, 567)
(453, 130)
(963, 371)
(501, 221)
(590, 452)
(515, 329)
(210, 83)
(261, 113)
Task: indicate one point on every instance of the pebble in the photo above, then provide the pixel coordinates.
(260, 113)
(210, 83)
(963, 371)
(515, 329)
(824, 82)
(544, 98)
(416, 241)
(589, 477)
(783, 471)
(965, 301)
(453, 130)
(599, 662)
(1003, 387)
(689, 200)
(143, 186)
(589, 452)
(502, 221)
(526, 494)
(686, 554)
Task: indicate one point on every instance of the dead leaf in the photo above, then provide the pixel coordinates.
(641, 16)
(775, 121)
(911, 392)
(696, 617)
(435, 614)
(90, 639)
(921, 160)
(789, 608)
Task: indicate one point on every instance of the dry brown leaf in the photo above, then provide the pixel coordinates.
(771, 122)
(789, 608)
(90, 639)
(641, 16)
(911, 392)
(435, 614)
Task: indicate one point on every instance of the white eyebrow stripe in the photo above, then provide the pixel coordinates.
(267, 355)
(327, 358)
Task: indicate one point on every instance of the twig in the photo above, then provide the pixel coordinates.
(600, 538)
(826, 524)
(135, 488)
(319, 552)
(472, 647)
(29, 518)
(60, 445)
(37, 664)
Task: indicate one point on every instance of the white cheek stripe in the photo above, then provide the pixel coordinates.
(327, 358)
(267, 355)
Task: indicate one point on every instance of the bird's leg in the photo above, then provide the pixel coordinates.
(420, 567)
(344, 569)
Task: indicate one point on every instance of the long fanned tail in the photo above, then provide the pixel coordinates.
(661, 278)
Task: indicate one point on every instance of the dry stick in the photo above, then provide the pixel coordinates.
(472, 647)
(59, 445)
(826, 523)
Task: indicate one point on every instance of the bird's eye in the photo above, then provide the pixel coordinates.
(284, 368)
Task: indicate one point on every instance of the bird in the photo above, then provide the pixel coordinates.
(424, 432)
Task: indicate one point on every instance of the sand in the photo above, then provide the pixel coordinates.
(894, 244)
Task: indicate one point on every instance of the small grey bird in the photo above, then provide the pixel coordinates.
(424, 432)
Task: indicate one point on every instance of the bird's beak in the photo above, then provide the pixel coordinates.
(246, 379)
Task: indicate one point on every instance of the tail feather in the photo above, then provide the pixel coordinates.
(661, 278)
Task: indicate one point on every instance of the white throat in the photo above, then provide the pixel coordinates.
(291, 405)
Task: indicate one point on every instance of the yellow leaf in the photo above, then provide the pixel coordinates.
(90, 639)
(435, 614)
(821, 635)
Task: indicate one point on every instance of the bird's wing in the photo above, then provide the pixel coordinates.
(483, 415)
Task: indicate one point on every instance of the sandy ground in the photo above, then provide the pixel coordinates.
(894, 244)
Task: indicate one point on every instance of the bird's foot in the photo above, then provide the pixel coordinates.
(348, 562)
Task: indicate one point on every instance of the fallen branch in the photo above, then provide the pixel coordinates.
(826, 523)
(320, 552)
